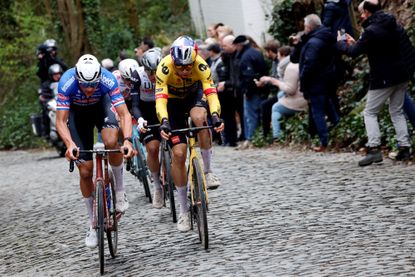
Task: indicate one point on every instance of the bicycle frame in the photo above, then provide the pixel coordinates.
(194, 154)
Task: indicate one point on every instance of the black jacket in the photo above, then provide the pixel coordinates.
(317, 56)
(251, 66)
(381, 42)
(228, 71)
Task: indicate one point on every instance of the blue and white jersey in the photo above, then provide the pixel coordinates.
(69, 91)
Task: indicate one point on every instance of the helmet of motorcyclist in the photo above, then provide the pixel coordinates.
(54, 69)
(127, 67)
(183, 51)
(88, 70)
(50, 44)
(151, 59)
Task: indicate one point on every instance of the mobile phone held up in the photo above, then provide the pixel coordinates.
(343, 34)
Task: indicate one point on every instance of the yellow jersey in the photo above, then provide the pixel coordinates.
(170, 85)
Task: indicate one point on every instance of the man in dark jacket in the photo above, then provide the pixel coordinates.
(252, 66)
(316, 52)
(228, 74)
(389, 76)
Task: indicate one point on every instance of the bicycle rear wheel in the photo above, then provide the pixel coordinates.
(141, 170)
(168, 184)
(99, 196)
(200, 207)
(112, 230)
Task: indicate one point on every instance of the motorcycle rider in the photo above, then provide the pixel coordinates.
(47, 92)
(47, 54)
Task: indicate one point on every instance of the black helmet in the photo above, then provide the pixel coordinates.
(54, 69)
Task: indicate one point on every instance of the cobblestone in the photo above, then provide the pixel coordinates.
(279, 212)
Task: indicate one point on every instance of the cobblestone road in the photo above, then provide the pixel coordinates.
(278, 213)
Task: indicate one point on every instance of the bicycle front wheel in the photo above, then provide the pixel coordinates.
(100, 223)
(112, 230)
(200, 207)
(168, 184)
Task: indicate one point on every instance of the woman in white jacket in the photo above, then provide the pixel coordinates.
(292, 100)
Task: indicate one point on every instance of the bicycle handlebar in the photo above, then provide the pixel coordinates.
(97, 151)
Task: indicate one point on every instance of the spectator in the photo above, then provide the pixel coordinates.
(223, 31)
(203, 52)
(251, 66)
(317, 50)
(271, 52)
(230, 98)
(214, 55)
(389, 76)
(47, 54)
(146, 43)
(292, 100)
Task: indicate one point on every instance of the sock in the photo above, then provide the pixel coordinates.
(156, 180)
(182, 196)
(118, 177)
(89, 202)
(206, 156)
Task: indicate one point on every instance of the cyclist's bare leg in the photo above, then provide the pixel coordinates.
(87, 186)
(199, 118)
(110, 139)
(178, 171)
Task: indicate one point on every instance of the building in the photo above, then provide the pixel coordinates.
(247, 17)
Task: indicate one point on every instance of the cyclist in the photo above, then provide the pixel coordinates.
(183, 85)
(88, 97)
(137, 85)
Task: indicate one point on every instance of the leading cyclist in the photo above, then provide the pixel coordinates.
(137, 85)
(88, 97)
(183, 85)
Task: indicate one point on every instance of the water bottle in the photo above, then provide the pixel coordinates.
(108, 193)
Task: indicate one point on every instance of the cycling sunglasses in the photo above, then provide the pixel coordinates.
(150, 72)
(89, 85)
(184, 67)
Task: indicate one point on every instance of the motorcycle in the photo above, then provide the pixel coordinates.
(38, 125)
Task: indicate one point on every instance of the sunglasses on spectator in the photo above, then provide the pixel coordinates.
(89, 85)
(184, 67)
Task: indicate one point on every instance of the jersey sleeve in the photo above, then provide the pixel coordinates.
(208, 86)
(66, 85)
(162, 91)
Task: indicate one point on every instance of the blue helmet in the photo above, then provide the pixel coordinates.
(183, 51)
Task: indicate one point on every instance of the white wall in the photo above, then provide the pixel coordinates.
(244, 16)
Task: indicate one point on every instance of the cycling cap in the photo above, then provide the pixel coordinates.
(88, 69)
(54, 69)
(151, 59)
(127, 68)
(183, 51)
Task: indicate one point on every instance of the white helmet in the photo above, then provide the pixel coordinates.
(88, 69)
(107, 63)
(127, 67)
(151, 59)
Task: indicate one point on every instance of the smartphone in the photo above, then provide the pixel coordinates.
(343, 34)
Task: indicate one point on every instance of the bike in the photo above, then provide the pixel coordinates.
(199, 197)
(139, 166)
(105, 215)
